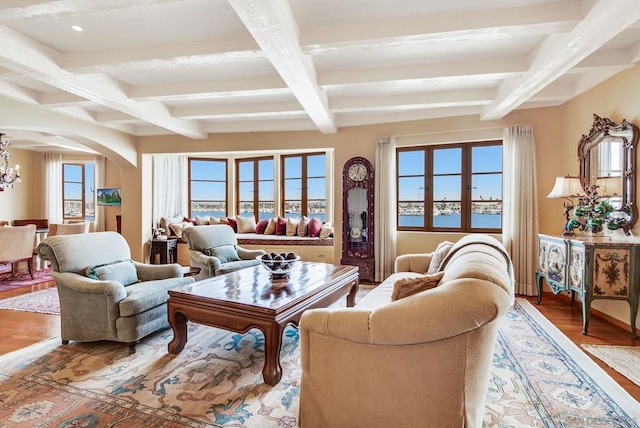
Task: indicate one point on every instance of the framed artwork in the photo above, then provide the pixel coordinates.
(109, 197)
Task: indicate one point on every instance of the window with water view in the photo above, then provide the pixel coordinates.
(78, 191)
(452, 187)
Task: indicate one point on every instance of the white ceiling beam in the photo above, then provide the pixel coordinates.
(497, 68)
(272, 25)
(217, 51)
(16, 12)
(560, 53)
(62, 99)
(414, 101)
(38, 62)
(358, 119)
(443, 28)
(18, 93)
(198, 90)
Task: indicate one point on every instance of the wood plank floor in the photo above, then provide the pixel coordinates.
(21, 329)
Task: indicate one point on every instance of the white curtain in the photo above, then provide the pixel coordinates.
(170, 197)
(520, 206)
(100, 181)
(53, 187)
(385, 208)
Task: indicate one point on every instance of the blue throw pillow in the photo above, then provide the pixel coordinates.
(123, 272)
(225, 253)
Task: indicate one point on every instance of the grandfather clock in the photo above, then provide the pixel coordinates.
(357, 217)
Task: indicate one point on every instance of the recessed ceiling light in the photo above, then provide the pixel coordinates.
(77, 28)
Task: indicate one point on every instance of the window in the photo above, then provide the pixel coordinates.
(207, 187)
(255, 188)
(452, 187)
(304, 185)
(78, 191)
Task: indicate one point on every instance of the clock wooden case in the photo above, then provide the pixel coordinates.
(357, 217)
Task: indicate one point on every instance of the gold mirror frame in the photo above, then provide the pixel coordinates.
(606, 131)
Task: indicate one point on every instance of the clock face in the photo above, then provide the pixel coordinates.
(357, 172)
(355, 232)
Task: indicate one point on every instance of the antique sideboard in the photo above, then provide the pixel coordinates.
(593, 267)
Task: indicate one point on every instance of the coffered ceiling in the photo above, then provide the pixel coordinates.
(194, 67)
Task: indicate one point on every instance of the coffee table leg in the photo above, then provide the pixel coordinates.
(178, 323)
(351, 297)
(272, 371)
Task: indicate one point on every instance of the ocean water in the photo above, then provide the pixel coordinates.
(489, 221)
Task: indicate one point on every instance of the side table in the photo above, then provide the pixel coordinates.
(166, 248)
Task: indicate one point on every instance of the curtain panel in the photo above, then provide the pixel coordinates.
(385, 208)
(520, 205)
(53, 185)
(170, 186)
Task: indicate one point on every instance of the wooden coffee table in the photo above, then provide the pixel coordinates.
(248, 298)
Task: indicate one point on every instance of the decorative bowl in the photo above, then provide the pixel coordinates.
(278, 265)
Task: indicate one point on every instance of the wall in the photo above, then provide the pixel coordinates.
(23, 201)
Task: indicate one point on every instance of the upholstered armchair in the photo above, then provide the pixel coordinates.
(104, 295)
(214, 249)
(16, 245)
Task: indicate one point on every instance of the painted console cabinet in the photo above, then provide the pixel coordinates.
(594, 268)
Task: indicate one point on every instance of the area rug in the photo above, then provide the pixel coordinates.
(43, 301)
(22, 278)
(538, 380)
(623, 359)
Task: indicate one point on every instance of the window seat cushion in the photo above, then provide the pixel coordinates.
(259, 239)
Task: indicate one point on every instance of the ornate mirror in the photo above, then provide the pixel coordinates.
(607, 157)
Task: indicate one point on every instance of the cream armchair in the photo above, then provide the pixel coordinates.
(104, 295)
(421, 361)
(16, 245)
(215, 250)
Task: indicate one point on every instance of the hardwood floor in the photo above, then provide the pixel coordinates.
(20, 329)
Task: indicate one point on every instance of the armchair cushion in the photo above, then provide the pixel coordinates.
(124, 272)
(225, 253)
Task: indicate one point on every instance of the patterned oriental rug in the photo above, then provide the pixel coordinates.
(539, 379)
(22, 278)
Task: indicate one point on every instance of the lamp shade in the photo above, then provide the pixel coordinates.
(567, 187)
(609, 186)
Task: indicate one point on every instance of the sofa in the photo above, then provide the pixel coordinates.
(104, 295)
(419, 361)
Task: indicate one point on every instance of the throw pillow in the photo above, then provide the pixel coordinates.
(303, 226)
(292, 226)
(202, 220)
(224, 253)
(124, 272)
(314, 227)
(438, 256)
(281, 226)
(326, 230)
(246, 224)
(409, 286)
(178, 228)
(214, 220)
(271, 227)
(262, 226)
(165, 222)
(231, 221)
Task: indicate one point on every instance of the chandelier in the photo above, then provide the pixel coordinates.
(8, 175)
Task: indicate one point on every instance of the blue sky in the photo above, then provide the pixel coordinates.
(448, 161)
(73, 173)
